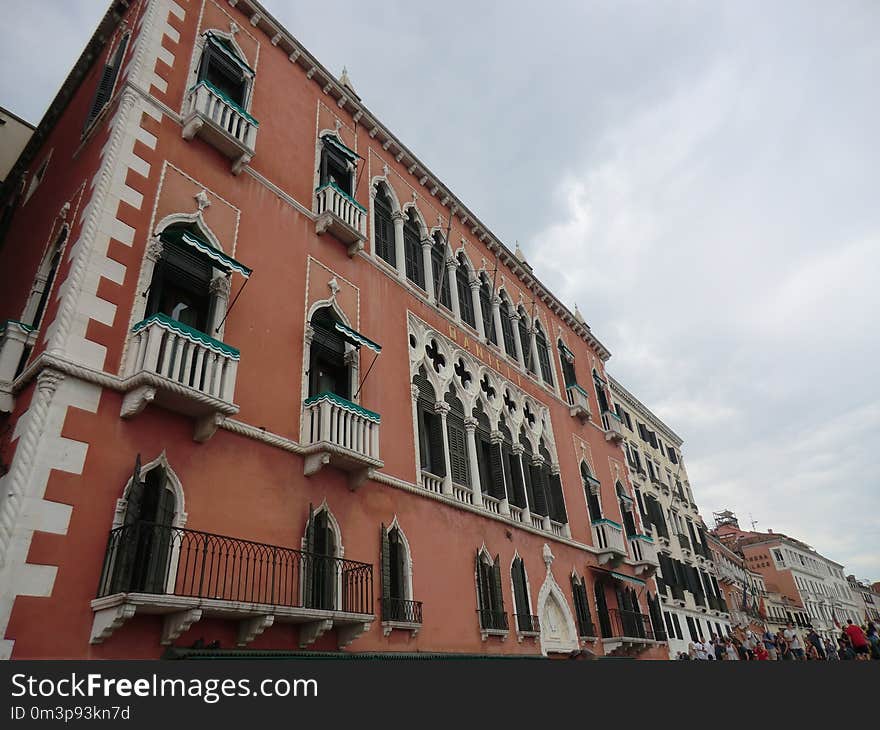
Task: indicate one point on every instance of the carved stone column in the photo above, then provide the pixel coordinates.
(518, 452)
(538, 461)
(451, 268)
(399, 255)
(429, 269)
(470, 427)
(443, 408)
(496, 318)
(533, 344)
(496, 438)
(478, 310)
(219, 288)
(517, 341)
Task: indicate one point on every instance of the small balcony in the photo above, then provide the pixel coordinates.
(399, 613)
(579, 402)
(644, 554)
(186, 575)
(182, 370)
(16, 342)
(526, 626)
(342, 434)
(608, 540)
(630, 632)
(612, 425)
(492, 623)
(684, 543)
(221, 122)
(341, 216)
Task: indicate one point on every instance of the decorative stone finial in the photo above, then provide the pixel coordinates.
(548, 556)
(577, 315)
(519, 253)
(202, 200)
(333, 285)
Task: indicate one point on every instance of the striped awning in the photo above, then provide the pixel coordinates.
(627, 578)
(223, 45)
(566, 353)
(220, 259)
(342, 148)
(356, 338)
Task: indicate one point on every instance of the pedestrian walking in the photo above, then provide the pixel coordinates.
(859, 641)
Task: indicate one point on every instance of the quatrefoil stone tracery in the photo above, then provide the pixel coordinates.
(437, 358)
(486, 387)
(464, 375)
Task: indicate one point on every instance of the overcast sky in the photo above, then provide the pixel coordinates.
(700, 178)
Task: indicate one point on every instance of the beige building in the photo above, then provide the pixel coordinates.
(687, 582)
(14, 135)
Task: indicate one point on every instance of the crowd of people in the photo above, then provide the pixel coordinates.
(854, 643)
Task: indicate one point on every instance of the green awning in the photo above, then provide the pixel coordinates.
(567, 354)
(345, 404)
(223, 45)
(220, 259)
(340, 146)
(190, 333)
(356, 338)
(627, 578)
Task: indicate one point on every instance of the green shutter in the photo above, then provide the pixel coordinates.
(497, 596)
(539, 492)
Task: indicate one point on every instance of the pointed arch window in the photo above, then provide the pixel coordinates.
(412, 247)
(320, 564)
(383, 226)
(526, 341)
(626, 510)
(488, 456)
(586, 629)
(221, 67)
(591, 490)
(438, 267)
(46, 278)
(602, 610)
(543, 355)
(465, 301)
(525, 621)
(486, 309)
(337, 165)
(601, 395)
(430, 428)
(142, 546)
(507, 327)
(397, 604)
(566, 359)
(328, 370)
(490, 600)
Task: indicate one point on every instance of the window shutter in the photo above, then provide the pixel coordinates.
(559, 513)
(519, 588)
(517, 494)
(481, 584)
(496, 468)
(458, 460)
(105, 85)
(539, 493)
(386, 564)
(435, 444)
(497, 597)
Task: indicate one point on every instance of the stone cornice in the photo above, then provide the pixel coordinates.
(645, 412)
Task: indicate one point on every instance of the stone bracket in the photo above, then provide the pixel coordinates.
(358, 478)
(136, 400)
(207, 427)
(313, 463)
(310, 632)
(177, 623)
(500, 633)
(107, 620)
(250, 628)
(389, 626)
(348, 633)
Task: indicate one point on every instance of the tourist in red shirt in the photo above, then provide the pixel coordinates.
(858, 640)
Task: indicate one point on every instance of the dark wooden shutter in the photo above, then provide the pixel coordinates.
(482, 585)
(435, 444)
(104, 90)
(497, 596)
(458, 459)
(386, 564)
(520, 596)
(309, 560)
(560, 515)
(517, 493)
(602, 611)
(539, 490)
(496, 487)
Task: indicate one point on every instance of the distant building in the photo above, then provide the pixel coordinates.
(795, 570)
(14, 135)
(693, 604)
(870, 597)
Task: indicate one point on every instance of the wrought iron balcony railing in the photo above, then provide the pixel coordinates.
(401, 610)
(146, 557)
(491, 620)
(629, 624)
(527, 623)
